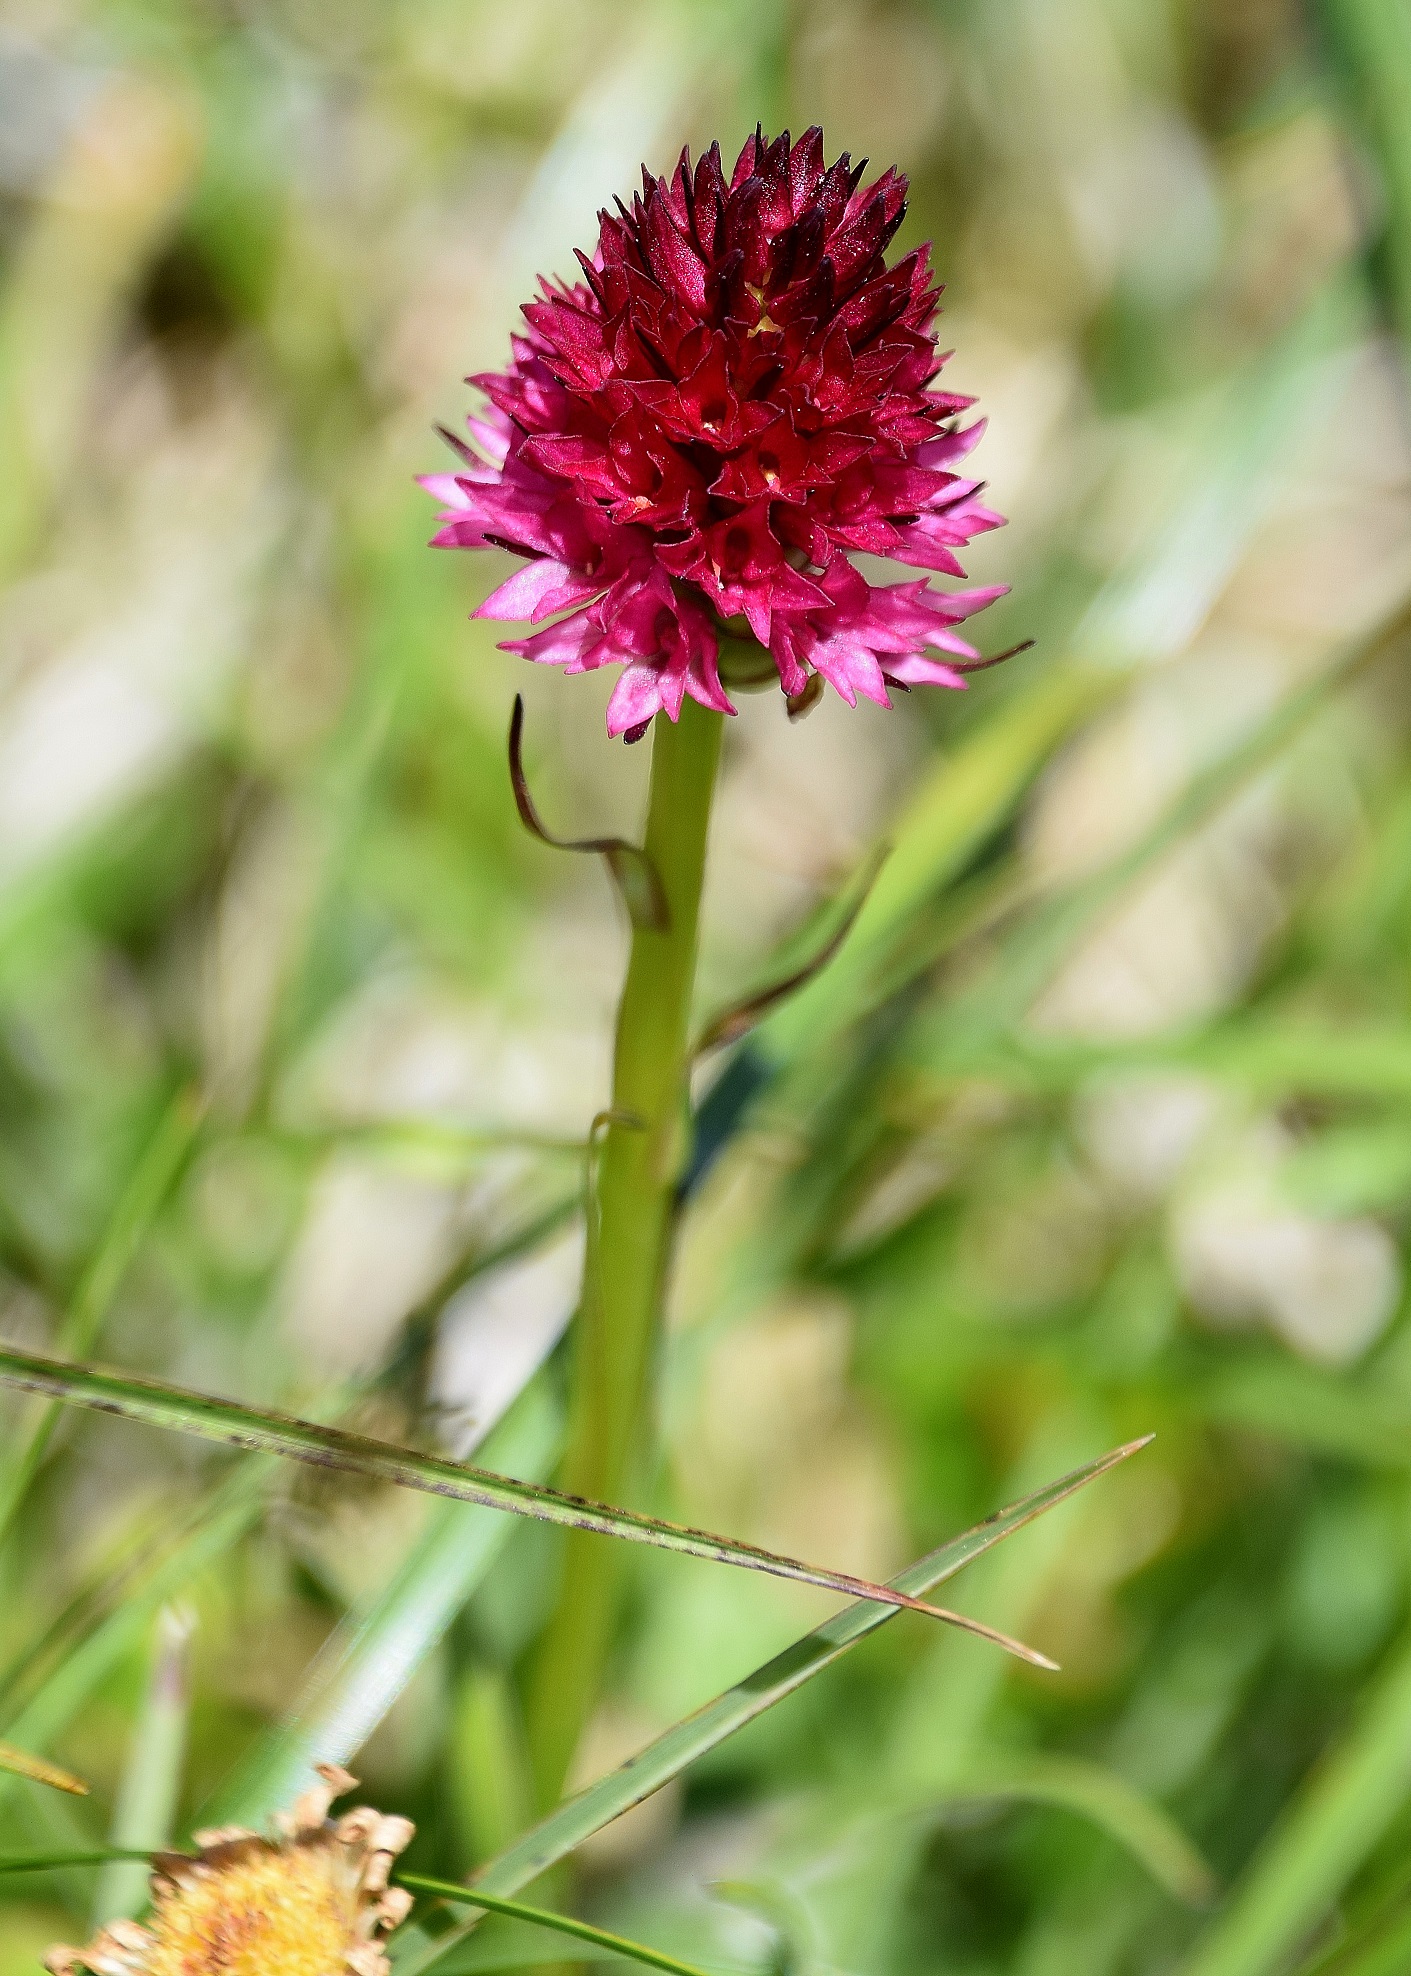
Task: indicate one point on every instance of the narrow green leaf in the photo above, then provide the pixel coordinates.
(374, 1651)
(1322, 1838)
(733, 1023)
(151, 1181)
(151, 1781)
(19, 1763)
(566, 1828)
(200, 1414)
(562, 1924)
(636, 877)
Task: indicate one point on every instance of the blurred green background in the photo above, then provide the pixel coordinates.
(1101, 1124)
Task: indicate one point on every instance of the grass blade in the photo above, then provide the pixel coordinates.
(376, 1649)
(19, 1763)
(151, 1783)
(1327, 1832)
(55, 1703)
(562, 1924)
(566, 1828)
(184, 1411)
(151, 1181)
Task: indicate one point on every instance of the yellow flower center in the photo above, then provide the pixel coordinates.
(285, 1911)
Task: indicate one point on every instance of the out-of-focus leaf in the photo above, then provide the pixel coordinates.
(1384, 1949)
(964, 800)
(183, 1411)
(951, 1032)
(20, 1764)
(566, 1828)
(1270, 1057)
(227, 1517)
(375, 1650)
(152, 1179)
(1339, 1415)
(1352, 1170)
(488, 1761)
(51, 1862)
(1094, 1792)
(151, 1780)
(112, 200)
(1154, 605)
(1371, 42)
(1321, 1839)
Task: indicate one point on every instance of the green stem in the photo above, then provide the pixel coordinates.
(637, 1176)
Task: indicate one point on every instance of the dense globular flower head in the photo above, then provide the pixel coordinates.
(691, 443)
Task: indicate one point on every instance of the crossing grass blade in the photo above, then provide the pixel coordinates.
(571, 1823)
(182, 1410)
(19, 1763)
(1269, 1058)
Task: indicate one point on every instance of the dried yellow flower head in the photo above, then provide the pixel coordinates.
(312, 1902)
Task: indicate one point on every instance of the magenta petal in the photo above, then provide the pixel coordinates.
(914, 670)
(535, 590)
(636, 697)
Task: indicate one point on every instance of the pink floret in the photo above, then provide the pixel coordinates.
(738, 397)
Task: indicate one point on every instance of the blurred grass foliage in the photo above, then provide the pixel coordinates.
(1100, 1122)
